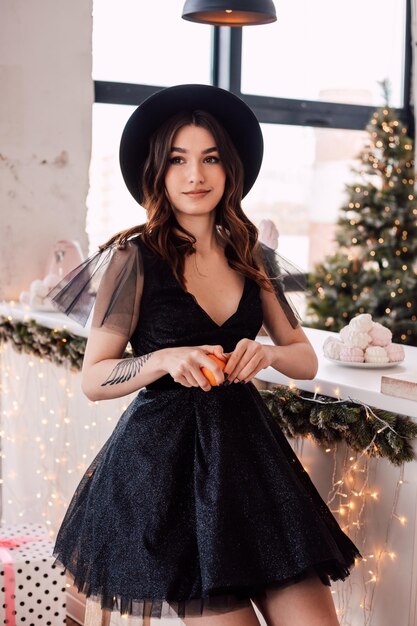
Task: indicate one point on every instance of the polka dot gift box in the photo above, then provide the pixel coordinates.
(33, 589)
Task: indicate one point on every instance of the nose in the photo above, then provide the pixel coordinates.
(195, 172)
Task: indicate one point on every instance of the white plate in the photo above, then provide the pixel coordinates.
(365, 366)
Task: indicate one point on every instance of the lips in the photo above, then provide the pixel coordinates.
(200, 192)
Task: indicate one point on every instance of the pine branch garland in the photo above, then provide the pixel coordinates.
(57, 346)
(326, 420)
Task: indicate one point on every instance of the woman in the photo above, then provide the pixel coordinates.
(196, 504)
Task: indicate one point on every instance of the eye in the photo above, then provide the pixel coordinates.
(212, 159)
(175, 160)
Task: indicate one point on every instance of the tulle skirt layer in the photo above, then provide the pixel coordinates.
(195, 505)
(104, 610)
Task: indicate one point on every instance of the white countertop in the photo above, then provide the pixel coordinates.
(340, 381)
(332, 379)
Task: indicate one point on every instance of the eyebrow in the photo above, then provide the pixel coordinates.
(183, 150)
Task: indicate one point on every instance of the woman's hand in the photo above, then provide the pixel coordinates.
(184, 365)
(247, 359)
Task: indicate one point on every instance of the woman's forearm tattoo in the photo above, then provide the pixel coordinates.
(126, 369)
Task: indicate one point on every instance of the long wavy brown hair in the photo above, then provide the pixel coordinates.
(237, 233)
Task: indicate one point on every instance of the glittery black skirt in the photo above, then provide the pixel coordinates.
(197, 503)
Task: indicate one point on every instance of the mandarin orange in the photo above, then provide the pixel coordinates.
(208, 373)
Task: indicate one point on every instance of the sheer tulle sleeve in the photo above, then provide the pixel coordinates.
(282, 272)
(109, 280)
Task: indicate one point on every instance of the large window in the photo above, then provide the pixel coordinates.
(329, 51)
(311, 78)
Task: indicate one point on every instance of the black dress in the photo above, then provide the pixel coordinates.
(197, 501)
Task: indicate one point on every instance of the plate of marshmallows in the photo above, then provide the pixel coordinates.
(363, 343)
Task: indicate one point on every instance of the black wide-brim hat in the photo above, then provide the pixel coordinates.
(235, 116)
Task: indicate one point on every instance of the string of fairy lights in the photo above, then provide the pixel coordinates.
(348, 498)
(50, 434)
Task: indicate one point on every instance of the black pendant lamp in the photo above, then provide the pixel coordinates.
(230, 12)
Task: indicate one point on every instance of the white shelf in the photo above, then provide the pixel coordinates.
(337, 381)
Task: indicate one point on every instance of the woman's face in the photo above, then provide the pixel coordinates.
(195, 177)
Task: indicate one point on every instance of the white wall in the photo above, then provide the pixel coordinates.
(45, 133)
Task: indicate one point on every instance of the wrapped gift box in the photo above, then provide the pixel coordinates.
(38, 592)
(400, 385)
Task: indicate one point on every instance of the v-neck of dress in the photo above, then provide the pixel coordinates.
(192, 296)
(198, 305)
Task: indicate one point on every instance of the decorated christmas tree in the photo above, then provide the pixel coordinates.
(374, 269)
